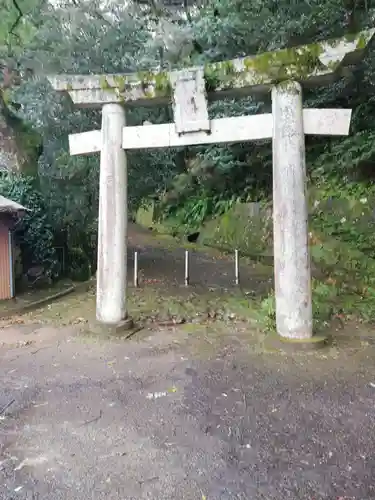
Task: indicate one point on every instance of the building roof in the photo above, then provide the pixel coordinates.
(10, 206)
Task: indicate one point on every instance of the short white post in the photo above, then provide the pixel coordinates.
(136, 269)
(290, 211)
(236, 268)
(186, 267)
(112, 232)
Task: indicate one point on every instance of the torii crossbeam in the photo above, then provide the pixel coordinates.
(222, 130)
(284, 72)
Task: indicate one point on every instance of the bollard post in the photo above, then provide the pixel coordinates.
(236, 268)
(186, 267)
(136, 269)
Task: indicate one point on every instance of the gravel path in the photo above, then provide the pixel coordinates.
(167, 418)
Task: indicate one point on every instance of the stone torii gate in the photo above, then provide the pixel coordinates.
(284, 72)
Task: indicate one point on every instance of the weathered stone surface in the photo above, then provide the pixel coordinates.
(290, 229)
(189, 101)
(222, 130)
(311, 64)
(274, 342)
(123, 328)
(112, 241)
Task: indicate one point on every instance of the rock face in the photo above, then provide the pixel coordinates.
(246, 227)
(9, 157)
(19, 144)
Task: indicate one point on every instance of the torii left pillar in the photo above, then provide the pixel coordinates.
(113, 220)
(111, 283)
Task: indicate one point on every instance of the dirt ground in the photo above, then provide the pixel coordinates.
(192, 411)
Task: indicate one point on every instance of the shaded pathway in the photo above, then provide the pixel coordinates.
(162, 260)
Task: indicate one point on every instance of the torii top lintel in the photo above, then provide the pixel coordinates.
(313, 64)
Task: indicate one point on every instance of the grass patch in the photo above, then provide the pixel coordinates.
(156, 306)
(28, 297)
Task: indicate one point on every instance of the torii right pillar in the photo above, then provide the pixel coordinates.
(290, 215)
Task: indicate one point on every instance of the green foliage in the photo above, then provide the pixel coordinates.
(197, 210)
(267, 313)
(17, 30)
(34, 232)
(48, 226)
(79, 265)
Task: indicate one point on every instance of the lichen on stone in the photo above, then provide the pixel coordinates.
(263, 70)
(152, 84)
(362, 41)
(272, 67)
(120, 82)
(299, 63)
(104, 85)
(219, 74)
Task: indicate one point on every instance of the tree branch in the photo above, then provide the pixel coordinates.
(187, 11)
(18, 19)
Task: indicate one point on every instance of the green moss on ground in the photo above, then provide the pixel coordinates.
(155, 306)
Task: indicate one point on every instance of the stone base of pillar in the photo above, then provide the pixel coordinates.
(275, 342)
(124, 328)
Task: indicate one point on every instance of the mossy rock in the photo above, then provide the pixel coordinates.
(241, 229)
(24, 144)
(145, 215)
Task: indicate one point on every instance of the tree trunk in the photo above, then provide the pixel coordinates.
(20, 146)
